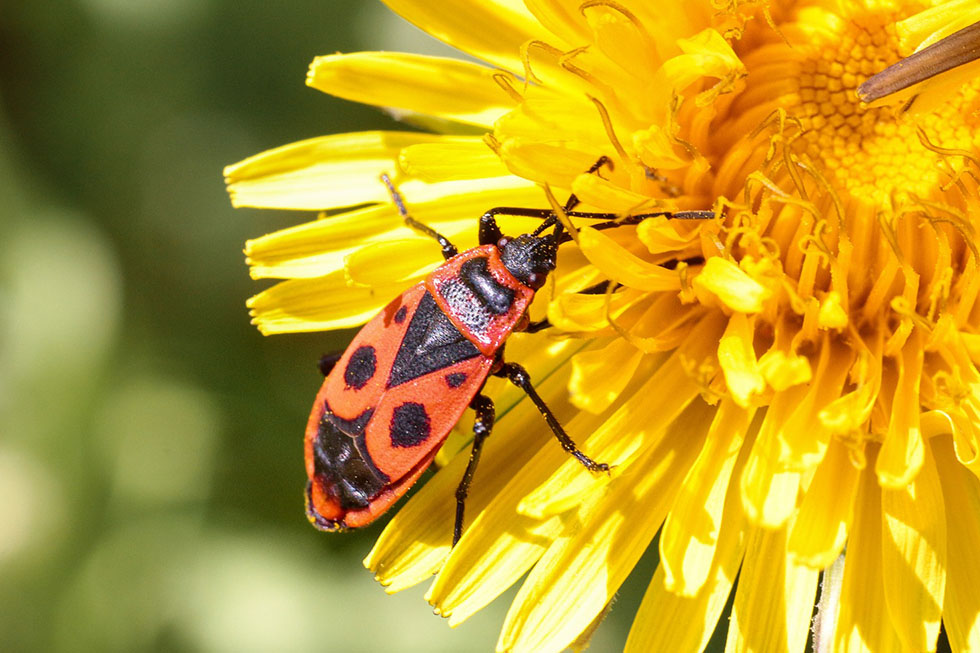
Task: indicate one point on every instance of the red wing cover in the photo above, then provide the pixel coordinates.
(386, 408)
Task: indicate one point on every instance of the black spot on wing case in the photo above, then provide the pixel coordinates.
(410, 425)
(360, 367)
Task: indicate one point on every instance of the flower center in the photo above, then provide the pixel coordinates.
(883, 153)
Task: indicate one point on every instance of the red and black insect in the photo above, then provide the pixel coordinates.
(389, 401)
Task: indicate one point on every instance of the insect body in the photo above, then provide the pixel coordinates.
(390, 400)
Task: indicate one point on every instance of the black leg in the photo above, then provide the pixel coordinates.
(327, 362)
(574, 201)
(540, 325)
(448, 249)
(481, 429)
(490, 233)
(519, 377)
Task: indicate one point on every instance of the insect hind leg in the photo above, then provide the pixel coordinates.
(482, 426)
(448, 249)
(328, 361)
(519, 377)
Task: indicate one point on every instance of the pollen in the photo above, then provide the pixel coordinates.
(874, 153)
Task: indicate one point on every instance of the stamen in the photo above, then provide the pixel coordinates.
(504, 81)
(778, 194)
(955, 50)
(815, 172)
(559, 212)
(565, 62)
(491, 141)
(626, 13)
(957, 219)
(887, 227)
(529, 75)
(816, 239)
(946, 152)
(610, 130)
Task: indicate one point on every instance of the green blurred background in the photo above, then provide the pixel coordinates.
(151, 466)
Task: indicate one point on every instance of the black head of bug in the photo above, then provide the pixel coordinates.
(529, 257)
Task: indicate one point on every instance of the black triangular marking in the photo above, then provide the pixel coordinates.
(431, 343)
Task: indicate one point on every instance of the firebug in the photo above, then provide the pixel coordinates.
(389, 401)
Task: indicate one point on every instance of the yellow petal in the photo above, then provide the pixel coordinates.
(613, 198)
(392, 261)
(774, 598)
(320, 173)
(561, 18)
(961, 494)
(861, 625)
(575, 312)
(317, 248)
(783, 370)
(320, 247)
(691, 532)
(545, 163)
(503, 26)
(639, 423)
(914, 556)
(554, 605)
(317, 304)
(437, 86)
(655, 627)
(661, 235)
(736, 355)
(663, 326)
(623, 266)
(600, 375)
(733, 287)
(416, 541)
(832, 315)
(820, 529)
(769, 490)
(926, 27)
(621, 38)
(804, 437)
(902, 453)
(708, 54)
(450, 159)
(658, 149)
(501, 544)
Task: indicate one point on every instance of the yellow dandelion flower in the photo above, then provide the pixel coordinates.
(788, 389)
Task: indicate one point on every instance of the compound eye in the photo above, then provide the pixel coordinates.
(535, 280)
(503, 242)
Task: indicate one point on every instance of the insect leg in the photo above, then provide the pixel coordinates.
(573, 201)
(327, 362)
(539, 325)
(490, 232)
(519, 377)
(448, 249)
(481, 429)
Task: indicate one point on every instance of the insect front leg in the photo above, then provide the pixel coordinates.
(482, 426)
(328, 361)
(519, 377)
(448, 249)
